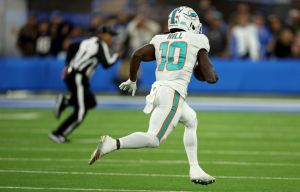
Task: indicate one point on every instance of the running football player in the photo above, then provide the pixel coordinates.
(179, 53)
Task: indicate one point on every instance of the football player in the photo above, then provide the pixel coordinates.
(179, 53)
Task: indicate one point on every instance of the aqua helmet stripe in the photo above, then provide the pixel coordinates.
(173, 16)
(191, 14)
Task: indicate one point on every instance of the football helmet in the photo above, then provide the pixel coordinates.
(184, 18)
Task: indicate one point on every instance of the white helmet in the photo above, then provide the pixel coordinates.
(184, 18)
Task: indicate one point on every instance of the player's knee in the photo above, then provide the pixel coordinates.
(192, 121)
(156, 142)
(195, 122)
(80, 114)
(153, 140)
(80, 118)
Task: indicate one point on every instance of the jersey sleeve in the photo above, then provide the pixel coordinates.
(153, 40)
(105, 57)
(200, 41)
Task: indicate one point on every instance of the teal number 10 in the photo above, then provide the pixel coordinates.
(167, 55)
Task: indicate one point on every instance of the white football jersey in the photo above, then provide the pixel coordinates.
(176, 57)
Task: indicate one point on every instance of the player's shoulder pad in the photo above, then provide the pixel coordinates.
(154, 39)
(200, 37)
(201, 41)
(90, 40)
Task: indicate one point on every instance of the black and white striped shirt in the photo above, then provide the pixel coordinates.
(84, 57)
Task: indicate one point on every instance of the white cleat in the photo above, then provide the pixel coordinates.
(198, 176)
(106, 144)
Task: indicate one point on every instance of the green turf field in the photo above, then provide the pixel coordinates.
(257, 152)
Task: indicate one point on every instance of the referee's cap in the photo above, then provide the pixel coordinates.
(106, 29)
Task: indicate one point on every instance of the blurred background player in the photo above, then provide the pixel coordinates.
(81, 61)
(177, 54)
(138, 33)
(27, 37)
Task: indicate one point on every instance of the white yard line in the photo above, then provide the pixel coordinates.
(78, 189)
(207, 142)
(19, 116)
(166, 151)
(215, 134)
(259, 153)
(138, 174)
(232, 142)
(142, 161)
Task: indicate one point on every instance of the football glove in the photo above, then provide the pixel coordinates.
(129, 86)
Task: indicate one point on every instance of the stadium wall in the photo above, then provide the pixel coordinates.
(236, 76)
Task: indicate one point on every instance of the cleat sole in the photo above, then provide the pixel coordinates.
(201, 182)
(94, 157)
(97, 152)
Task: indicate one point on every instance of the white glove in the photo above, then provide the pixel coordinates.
(129, 85)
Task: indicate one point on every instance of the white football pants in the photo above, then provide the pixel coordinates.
(169, 109)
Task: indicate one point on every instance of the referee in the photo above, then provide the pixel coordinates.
(81, 61)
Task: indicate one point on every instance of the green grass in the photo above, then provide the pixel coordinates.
(257, 152)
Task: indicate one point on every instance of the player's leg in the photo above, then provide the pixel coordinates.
(189, 119)
(85, 100)
(166, 116)
(62, 102)
(135, 140)
(163, 119)
(79, 113)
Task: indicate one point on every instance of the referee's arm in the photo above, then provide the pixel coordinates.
(105, 57)
(72, 50)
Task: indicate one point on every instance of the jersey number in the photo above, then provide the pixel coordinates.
(168, 55)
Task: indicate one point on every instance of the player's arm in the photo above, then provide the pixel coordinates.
(71, 52)
(145, 53)
(204, 71)
(107, 59)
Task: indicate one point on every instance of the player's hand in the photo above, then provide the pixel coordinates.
(129, 86)
(64, 72)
